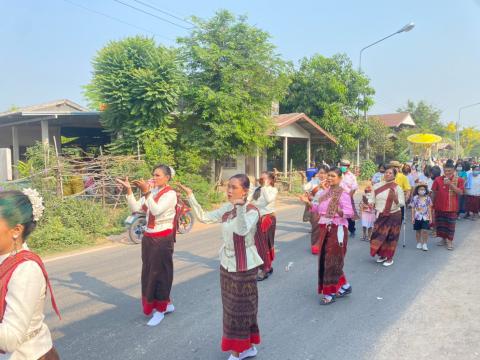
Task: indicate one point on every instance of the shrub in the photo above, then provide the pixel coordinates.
(203, 190)
(367, 170)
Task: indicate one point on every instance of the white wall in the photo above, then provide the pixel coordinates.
(294, 131)
(240, 169)
(5, 164)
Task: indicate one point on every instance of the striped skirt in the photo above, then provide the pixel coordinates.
(331, 259)
(240, 306)
(385, 235)
(157, 272)
(472, 203)
(445, 224)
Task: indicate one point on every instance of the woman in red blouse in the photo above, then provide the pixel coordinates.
(446, 190)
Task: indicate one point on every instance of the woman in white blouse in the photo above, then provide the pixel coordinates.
(23, 281)
(388, 199)
(239, 262)
(159, 202)
(263, 198)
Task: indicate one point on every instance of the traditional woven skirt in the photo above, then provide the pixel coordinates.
(331, 259)
(472, 204)
(265, 240)
(50, 355)
(314, 218)
(385, 234)
(445, 224)
(157, 272)
(240, 306)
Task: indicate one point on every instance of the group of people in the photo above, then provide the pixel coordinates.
(248, 223)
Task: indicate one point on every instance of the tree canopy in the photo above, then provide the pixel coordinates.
(330, 91)
(138, 83)
(234, 74)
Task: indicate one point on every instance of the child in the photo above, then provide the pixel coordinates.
(368, 215)
(421, 205)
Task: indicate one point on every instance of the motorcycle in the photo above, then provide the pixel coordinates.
(136, 223)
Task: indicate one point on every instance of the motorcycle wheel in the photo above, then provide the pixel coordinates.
(185, 223)
(136, 230)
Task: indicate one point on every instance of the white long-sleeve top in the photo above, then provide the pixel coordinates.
(266, 202)
(380, 200)
(23, 334)
(243, 224)
(163, 210)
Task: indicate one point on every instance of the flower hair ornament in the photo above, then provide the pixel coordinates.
(37, 203)
(172, 171)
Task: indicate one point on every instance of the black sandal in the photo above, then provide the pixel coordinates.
(262, 276)
(325, 301)
(345, 292)
(270, 272)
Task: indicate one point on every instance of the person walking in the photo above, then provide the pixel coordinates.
(263, 198)
(367, 215)
(446, 190)
(314, 189)
(159, 202)
(23, 281)
(421, 205)
(378, 176)
(334, 207)
(239, 263)
(472, 190)
(388, 198)
(402, 181)
(350, 185)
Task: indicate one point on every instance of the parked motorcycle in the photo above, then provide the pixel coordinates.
(136, 223)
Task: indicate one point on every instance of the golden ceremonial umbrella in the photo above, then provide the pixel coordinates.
(424, 139)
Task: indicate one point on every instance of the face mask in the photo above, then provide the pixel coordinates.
(421, 192)
(343, 169)
(459, 169)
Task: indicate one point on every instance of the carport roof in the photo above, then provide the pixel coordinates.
(317, 133)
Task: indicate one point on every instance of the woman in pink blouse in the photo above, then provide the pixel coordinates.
(334, 207)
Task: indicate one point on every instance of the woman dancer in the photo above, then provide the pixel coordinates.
(314, 189)
(263, 198)
(23, 281)
(388, 198)
(334, 208)
(159, 202)
(239, 262)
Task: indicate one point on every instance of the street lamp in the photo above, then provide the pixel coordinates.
(457, 126)
(405, 28)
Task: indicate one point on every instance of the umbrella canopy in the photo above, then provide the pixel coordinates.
(425, 139)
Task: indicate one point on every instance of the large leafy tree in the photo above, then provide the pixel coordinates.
(137, 83)
(234, 74)
(331, 92)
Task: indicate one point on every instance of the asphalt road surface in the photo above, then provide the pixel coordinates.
(99, 296)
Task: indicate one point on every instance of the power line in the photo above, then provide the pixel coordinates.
(153, 15)
(164, 12)
(116, 19)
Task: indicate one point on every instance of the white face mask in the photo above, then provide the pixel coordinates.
(421, 192)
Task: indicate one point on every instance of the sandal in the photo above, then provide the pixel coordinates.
(327, 300)
(344, 292)
(262, 276)
(270, 272)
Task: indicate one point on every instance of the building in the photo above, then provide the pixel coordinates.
(396, 121)
(49, 123)
(295, 129)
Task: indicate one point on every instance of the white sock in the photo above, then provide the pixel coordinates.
(156, 319)
(170, 309)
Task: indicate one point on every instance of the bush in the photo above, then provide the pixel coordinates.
(203, 190)
(367, 170)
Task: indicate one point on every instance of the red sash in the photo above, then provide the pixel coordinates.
(8, 267)
(151, 218)
(239, 241)
(388, 205)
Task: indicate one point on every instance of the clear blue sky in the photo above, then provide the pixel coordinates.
(47, 45)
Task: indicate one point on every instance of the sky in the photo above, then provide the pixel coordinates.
(47, 46)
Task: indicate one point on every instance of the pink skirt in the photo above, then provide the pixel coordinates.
(368, 219)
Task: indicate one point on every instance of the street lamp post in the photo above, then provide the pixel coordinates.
(457, 128)
(405, 28)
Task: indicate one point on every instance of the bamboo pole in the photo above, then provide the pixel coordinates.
(59, 171)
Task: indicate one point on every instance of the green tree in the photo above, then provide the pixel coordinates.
(331, 92)
(425, 116)
(234, 74)
(137, 83)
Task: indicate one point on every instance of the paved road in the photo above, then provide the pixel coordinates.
(99, 292)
